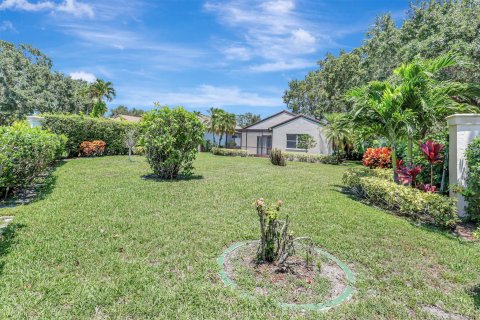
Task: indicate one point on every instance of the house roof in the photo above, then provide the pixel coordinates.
(270, 117)
(297, 117)
(127, 118)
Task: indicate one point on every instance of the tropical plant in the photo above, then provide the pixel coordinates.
(377, 158)
(306, 141)
(213, 125)
(338, 132)
(171, 138)
(431, 151)
(92, 148)
(408, 174)
(97, 92)
(226, 123)
(277, 158)
(427, 188)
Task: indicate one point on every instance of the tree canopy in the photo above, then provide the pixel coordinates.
(431, 29)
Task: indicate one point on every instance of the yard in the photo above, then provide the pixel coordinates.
(106, 241)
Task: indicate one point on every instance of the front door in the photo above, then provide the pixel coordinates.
(264, 145)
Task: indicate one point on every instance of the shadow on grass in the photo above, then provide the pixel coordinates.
(39, 190)
(7, 239)
(154, 177)
(475, 294)
(418, 223)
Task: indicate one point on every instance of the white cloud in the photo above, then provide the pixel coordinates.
(237, 53)
(6, 26)
(282, 66)
(273, 31)
(201, 96)
(82, 75)
(72, 7)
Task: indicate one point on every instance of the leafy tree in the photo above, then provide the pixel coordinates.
(306, 141)
(247, 119)
(431, 29)
(123, 110)
(27, 83)
(171, 138)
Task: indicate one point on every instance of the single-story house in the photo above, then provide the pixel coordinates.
(281, 131)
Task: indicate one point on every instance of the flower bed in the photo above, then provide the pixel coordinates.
(378, 188)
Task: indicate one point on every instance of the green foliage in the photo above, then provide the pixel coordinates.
(247, 119)
(221, 122)
(472, 189)
(306, 141)
(379, 190)
(79, 128)
(27, 83)
(99, 109)
(229, 152)
(431, 29)
(123, 110)
(171, 138)
(277, 158)
(25, 153)
(311, 158)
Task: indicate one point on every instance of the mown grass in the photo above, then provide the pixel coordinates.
(108, 243)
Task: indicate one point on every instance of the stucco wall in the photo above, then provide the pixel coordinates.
(249, 140)
(463, 128)
(301, 126)
(273, 121)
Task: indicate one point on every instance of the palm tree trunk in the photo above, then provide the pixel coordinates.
(410, 151)
(394, 163)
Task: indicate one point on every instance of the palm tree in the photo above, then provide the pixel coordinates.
(337, 132)
(429, 99)
(213, 125)
(378, 105)
(97, 91)
(227, 124)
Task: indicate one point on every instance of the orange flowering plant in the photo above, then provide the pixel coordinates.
(92, 148)
(378, 158)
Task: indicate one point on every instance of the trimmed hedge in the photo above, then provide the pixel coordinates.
(25, 153)
(311, 158)
(378, 188)
(79, 128)
(229, 152)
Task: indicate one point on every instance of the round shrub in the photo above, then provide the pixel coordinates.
(378, 158)
(171, 138)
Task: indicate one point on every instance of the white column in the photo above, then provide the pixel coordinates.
(463, 128)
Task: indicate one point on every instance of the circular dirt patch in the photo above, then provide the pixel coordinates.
(325, 283)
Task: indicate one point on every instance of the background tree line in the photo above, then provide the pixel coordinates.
(430, 29)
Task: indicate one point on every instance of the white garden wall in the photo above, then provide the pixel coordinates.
(463, 128)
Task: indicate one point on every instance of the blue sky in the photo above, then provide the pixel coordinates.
(235, 54)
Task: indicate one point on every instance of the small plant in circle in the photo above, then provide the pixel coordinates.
(277, 243)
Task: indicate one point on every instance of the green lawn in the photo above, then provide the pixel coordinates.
(107, 243)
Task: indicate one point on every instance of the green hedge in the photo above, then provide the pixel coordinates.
(472, 189)
(80, 128)
(378, 188)
(25, 153)
(311, 158)
(229, 152)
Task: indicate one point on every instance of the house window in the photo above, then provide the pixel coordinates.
(292, 141)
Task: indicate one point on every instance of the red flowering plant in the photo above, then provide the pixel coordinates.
(431, 150)
(427, 188)
(378, 158)
(408, 175)
(92, 148)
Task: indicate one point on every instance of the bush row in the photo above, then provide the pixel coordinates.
(378, 188)
(80, 128)
(312, 158)
(25, 153)
(229, 152)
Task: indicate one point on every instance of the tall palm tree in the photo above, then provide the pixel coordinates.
(227, 124)
(213, 125)
(378, 105)
(102, 89)
(337, 132)
(430, 99)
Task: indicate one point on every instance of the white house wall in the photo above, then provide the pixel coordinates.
(301, 126)
(249, 140)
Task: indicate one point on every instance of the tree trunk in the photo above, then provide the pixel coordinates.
(444, 173)
(410, 152)
(394, 163)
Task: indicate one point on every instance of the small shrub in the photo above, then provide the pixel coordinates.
(94, 148)
(79, 128)
(311, 158)
(472, 190)
(277, 158)
(25, 153)
(138, 150)
(379, 189)
(229, 152)
(378, 158)
(171, 138)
